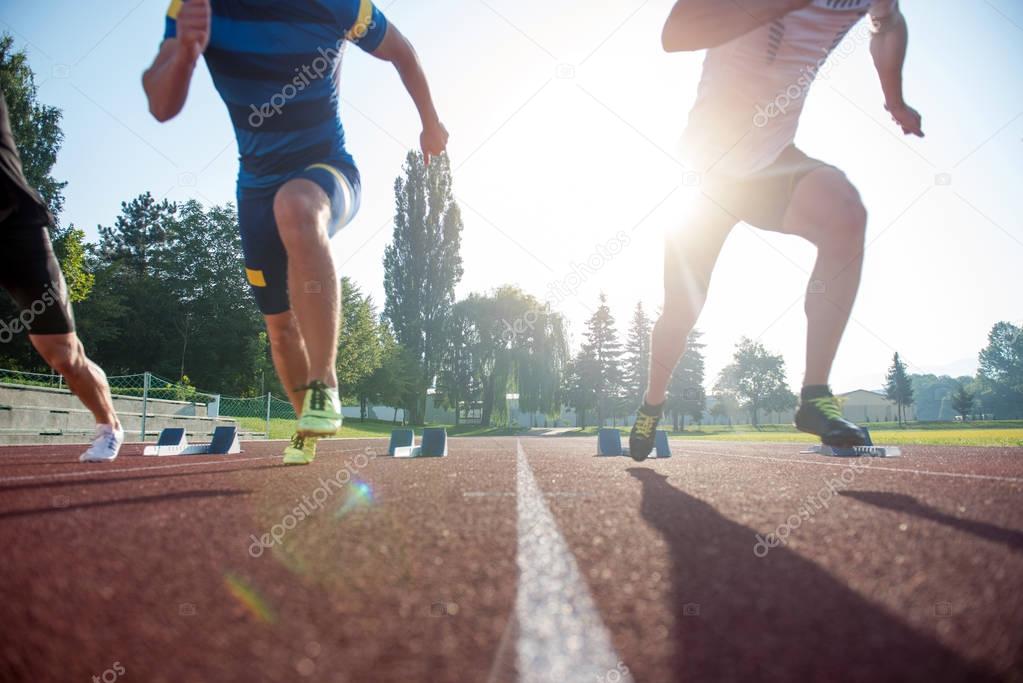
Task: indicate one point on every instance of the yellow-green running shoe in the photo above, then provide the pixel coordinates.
(321, 411)
(301, 450)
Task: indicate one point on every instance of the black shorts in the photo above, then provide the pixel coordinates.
(762, 198)
(29, 270)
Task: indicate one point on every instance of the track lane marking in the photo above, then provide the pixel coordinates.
(958, 475)
(561, 635)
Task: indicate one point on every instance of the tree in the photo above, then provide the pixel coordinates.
(140, 233)
(580, 390)
(601, 355)
(36, 127)
(755, 378)
(70, 248)
(1001, 372)
(962, 402)
(422, 265)
(359, 347)
(898, 387)
(500, 342)
(686, 396)
(637, 357)
(394, 381)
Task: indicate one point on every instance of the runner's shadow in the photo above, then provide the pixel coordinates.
(781, 617)
(910, 505)
(163, 498)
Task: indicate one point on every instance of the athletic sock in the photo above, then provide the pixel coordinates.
(652, 411)
(812, 391)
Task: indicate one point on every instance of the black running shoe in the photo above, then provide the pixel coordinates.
(641, 439)
(822, 416)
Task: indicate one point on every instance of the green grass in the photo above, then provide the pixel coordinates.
(1006, 433)
(354, 428)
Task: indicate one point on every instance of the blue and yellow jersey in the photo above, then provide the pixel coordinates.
(275, 65)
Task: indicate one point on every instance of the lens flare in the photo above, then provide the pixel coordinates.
(249, 598)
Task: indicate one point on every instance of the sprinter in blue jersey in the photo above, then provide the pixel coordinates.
(276, 64)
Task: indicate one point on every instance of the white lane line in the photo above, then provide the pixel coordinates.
(870, 467)
(561, 636)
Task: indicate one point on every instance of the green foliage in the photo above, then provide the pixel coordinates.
(359, 345)
(933, 395)
(963, 402)
(686, 396)
(637, 357)
(70, 248)
(169, 296)
(597, 367)
(1001, 372)
(422, 265)
(36, 127)
(498, 343)
(755, 379)
(898, 387)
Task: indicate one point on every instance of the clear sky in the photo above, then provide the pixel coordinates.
(565, 118)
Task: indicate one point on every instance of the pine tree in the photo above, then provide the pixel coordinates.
(686, 395)
(898, 387)
(636, 368)
(603, 350)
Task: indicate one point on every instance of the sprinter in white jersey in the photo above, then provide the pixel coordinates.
(762, 57)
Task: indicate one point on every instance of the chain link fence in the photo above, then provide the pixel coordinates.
(254, 414)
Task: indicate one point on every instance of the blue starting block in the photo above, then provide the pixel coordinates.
(661, 446)
(433, 445)
(401, 438)
(609, 442)
(173, 441)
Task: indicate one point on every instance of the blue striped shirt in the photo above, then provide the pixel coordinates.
(275, 65)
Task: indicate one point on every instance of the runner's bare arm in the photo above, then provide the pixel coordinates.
(700, 24)
(397, 50)
(166, 81)
(888, 48)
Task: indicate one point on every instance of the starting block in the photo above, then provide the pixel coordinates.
(609, 443)
(173, 441)
(401, 438)
(662, 449)
(867, 451)
(433, 445)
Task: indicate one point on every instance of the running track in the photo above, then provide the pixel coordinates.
(512, 560)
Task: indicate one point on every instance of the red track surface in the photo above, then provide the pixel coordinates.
(913, 571)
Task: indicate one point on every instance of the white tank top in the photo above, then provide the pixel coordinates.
(753, 88)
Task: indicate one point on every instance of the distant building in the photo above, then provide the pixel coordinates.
(870, 406)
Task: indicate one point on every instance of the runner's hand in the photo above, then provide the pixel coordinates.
(908, 119)
(433, 141)
(194, 26)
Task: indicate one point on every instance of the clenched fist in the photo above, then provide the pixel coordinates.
(194, 26)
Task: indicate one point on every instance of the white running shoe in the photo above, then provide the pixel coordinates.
(105, 445)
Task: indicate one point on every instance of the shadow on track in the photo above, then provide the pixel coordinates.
(182, 495)
(909, 505)
(777, 618)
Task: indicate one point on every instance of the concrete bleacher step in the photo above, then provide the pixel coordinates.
(83, 438)
(62, 399)
(34, 418)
